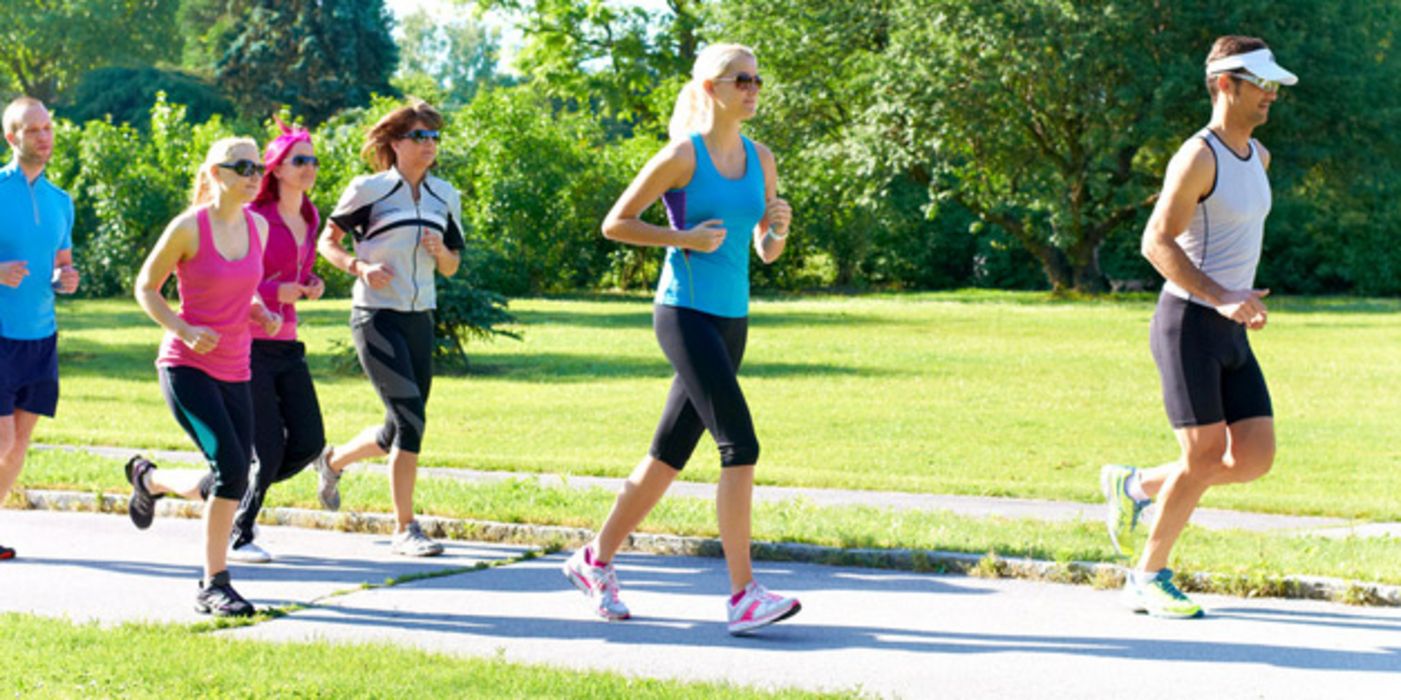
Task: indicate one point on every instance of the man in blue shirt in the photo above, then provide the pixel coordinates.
(36, 260)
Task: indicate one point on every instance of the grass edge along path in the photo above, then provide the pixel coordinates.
(63, 659)
(1256, 581)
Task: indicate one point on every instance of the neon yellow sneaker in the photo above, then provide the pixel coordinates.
(1122, 514)
(1159, 597)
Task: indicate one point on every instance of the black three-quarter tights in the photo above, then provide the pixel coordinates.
(705, 350)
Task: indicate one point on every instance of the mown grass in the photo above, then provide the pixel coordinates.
(992, 393)
(59, 659)
(1238, 553)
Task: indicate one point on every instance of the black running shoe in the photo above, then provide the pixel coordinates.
(6, 553)
(142, 505)
(218, 598)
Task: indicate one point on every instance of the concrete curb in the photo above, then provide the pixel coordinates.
(1098, 574)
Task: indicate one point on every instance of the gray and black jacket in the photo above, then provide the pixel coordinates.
(379, 211)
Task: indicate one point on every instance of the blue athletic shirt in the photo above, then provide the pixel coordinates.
(36, 222)
(716, 283)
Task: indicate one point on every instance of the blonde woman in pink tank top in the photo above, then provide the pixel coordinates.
(215, 249)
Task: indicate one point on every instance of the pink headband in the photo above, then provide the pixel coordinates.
(277, 151)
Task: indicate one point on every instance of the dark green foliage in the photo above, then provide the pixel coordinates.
(126, 94)
(319, 56)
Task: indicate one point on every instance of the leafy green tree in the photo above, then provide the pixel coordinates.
(604, 55)
(49, 44)
(458, 57)
(319, 56)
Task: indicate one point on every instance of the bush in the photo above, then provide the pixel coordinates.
(126, 95)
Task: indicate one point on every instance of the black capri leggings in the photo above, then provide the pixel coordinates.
(287, 429)
(705, 350)
(218, 416)
(396, 350)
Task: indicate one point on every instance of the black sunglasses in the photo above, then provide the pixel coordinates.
(245, 167)
(744, 81)
(421, 135)
(300, 161)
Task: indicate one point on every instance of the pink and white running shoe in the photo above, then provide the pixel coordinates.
(598, 583)
(758, 607)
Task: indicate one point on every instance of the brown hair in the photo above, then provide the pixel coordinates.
(1230, 45)
(393, 126)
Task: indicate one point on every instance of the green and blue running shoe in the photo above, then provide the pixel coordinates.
(1159, 597)
(1122, 515)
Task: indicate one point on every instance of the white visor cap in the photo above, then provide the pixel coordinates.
(1260, 63)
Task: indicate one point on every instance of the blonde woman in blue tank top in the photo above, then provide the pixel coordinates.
(719, 189)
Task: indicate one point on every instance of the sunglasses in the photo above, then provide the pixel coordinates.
(1257, 81)
(421, 135)
(744, 81)
(303, 161)
(245, 167)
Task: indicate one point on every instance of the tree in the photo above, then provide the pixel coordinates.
(126, 94)
(49, 44)
(458, 56)
(610, 57)
(318, 56)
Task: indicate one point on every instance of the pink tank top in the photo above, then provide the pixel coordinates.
(216, 293)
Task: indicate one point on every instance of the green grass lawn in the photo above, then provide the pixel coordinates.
(58, 659)
(974, 392)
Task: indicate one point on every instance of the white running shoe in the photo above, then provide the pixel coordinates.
(759, 607)
(598, 583)
(250, 553)
(413, 543)
(328, 481)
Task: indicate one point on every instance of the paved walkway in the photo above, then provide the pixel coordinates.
(894, 634)
(976, 506)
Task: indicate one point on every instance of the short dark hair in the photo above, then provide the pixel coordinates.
(1230, 45)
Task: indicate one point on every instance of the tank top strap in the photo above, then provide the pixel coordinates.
(206, 233)
(703, 162)
(255, 243)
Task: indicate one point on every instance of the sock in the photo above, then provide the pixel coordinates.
(1133, 486)
(146, 482)
(590, 560)
(1141, 578)
(735, 598)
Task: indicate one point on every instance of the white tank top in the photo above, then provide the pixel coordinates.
(1228, 226)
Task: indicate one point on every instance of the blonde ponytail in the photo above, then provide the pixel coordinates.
(694, 107)
(203, 191)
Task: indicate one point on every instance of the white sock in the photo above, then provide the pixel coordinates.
(1133, 486)
(146, 482)
(1142, 577)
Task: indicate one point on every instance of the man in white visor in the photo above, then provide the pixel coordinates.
(1204, 237)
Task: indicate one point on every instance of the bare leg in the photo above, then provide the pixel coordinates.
(1212, 455)
(362, 446)
(641, 492)
(218, 525)
(181, 482)
(403, 473)
(733, 506)
(15, 431)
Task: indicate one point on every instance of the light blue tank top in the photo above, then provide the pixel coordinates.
(716, 283)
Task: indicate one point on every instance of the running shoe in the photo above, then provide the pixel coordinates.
(328, 481)
(598, 583)
(217, 597)
(759, 607)
(249, 553)
(141, 507)
(1159, 597)
(413, 543)
(1123, 512)
(6, 553)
